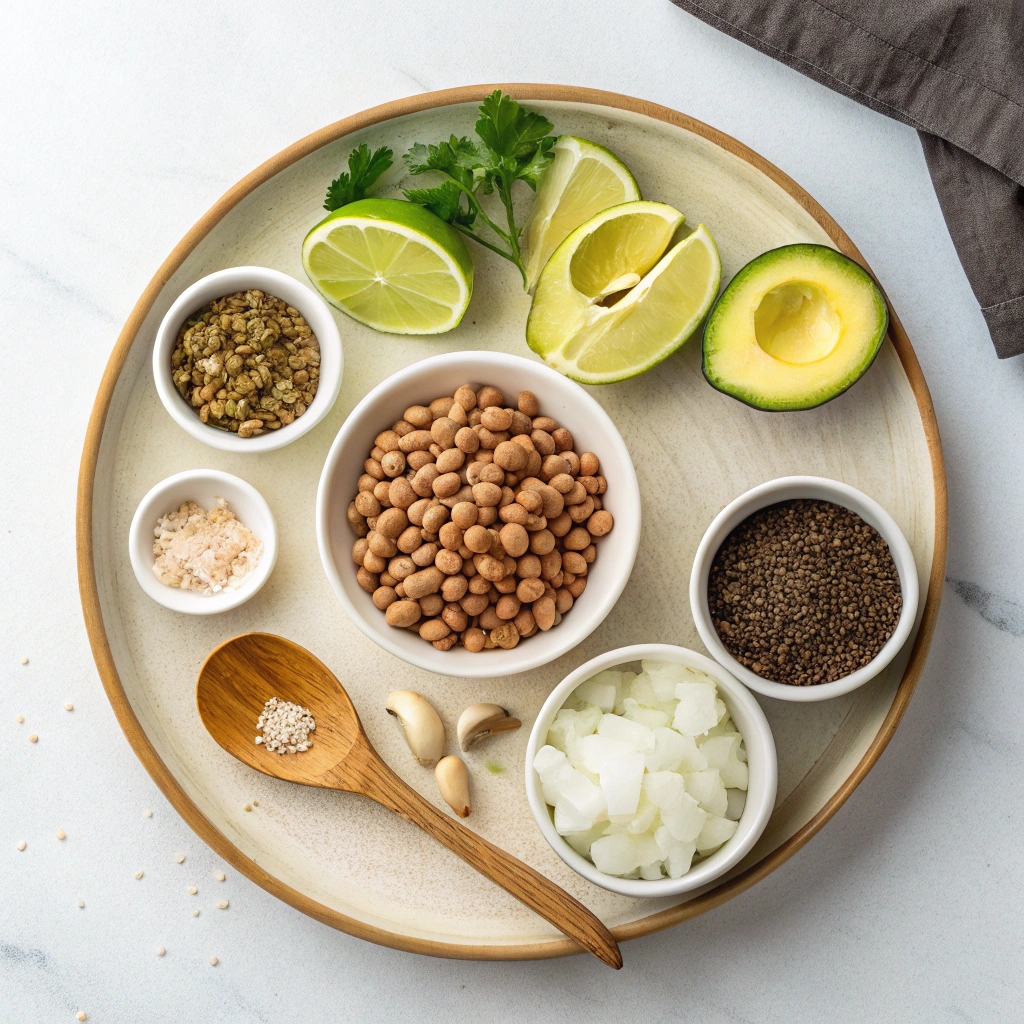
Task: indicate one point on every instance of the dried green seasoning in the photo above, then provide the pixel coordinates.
(247, 363)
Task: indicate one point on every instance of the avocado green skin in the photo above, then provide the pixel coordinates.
(414, 216)
(750, 270)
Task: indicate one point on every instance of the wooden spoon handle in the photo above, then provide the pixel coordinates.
(530, 887)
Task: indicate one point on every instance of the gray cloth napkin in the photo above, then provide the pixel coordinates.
(952, 69)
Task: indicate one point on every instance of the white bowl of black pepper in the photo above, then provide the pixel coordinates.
(248, 359)
(472, 531)
(804, 588)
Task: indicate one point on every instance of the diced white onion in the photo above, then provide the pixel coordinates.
(645, 772)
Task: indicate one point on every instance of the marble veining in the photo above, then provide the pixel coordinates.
(999, 611)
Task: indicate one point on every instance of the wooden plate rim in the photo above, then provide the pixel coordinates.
(89, 591)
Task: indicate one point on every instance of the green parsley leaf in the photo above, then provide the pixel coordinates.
(364, 168)
(455, 157)
(444, 201)
(531, 171)
(509, 131)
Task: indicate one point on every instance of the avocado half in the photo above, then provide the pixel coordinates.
(795, 327)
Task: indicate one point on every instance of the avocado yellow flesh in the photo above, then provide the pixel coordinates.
(795, 327)
(797, 323)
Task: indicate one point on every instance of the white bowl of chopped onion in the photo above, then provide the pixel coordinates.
(202, 542)
(652, 782)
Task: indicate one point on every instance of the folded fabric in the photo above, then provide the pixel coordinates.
(952, 69)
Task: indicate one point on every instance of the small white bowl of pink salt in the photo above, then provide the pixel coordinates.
(202, 542)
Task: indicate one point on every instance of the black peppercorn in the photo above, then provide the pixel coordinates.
(804, 592)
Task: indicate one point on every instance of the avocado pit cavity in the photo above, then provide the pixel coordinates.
(797, 323)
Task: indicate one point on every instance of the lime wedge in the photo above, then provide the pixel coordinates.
(583, 179)
(611, 302)
(391, 265)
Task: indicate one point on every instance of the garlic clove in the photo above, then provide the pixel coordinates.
(424, 730)
(453, 782)
(480, 720)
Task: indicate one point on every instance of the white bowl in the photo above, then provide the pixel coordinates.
(761, 760)
(225, 282)
(785, 489)
(203, 486)
(561, 399)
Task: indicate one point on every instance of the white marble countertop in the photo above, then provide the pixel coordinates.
(120, 128)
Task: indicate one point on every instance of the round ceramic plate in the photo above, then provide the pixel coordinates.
(333, 855)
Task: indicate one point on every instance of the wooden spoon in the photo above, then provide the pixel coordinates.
(242, 674)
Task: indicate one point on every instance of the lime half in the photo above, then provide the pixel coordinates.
(611, 302)
(583, 179)
(391, 265)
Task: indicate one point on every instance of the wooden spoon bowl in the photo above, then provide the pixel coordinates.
(242, 674)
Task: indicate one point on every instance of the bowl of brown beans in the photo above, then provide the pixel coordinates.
(804, 588)
(478, 514)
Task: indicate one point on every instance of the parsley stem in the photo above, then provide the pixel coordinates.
(513, 255)
(481, 212)
(505, 192)
(487, 245)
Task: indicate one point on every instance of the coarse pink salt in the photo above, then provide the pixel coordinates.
(204, 552)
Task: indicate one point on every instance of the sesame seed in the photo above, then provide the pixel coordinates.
(24, 661)
(138, 874)
(81, 1015)
(192, 890)
(160, 951)
(19, 719)
(180, 858)
(220, 876)
(285, 727)
(255, 803)
(147, 814)
(22, 845)
(247, 807)
(195, 913)
(69, 706)
(61, 834)
(214, 961)
(222, 904)
(81, 904)
(34, 738)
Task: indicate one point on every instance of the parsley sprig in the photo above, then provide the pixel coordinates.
(513, 144)
(364, 168)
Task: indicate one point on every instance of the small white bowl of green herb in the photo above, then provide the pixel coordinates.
(213, 368)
